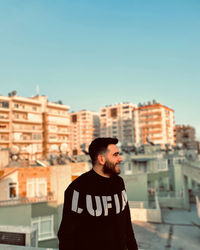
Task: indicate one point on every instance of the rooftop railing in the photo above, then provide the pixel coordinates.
(29, 200)
(13, 247)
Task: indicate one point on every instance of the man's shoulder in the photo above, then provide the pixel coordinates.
(119, 179)
(80, 180)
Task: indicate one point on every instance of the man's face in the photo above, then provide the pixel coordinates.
(113, 159)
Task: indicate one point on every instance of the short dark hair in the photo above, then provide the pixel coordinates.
(100, 145)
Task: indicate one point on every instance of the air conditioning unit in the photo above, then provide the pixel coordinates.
(18, 235)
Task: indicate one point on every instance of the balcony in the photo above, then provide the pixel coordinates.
(4, 119)
(4, 141)
(19, 201)
(27, 110)
(27, 141)
(63, 132)
(56, 141)
(4, 138)
(58, 122)
(28, 131)
(4, 130)
(7, 109)
(14, 247)
(22, 120)
(58, 115)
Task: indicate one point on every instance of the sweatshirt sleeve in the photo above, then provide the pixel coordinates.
(68, 230)
(131, 241)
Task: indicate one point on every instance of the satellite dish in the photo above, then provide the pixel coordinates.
(14, 157)
(64, 147)
(14, 150)
(82, 146)
(54, 147)
(179, 145)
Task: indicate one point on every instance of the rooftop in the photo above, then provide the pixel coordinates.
(176, 232)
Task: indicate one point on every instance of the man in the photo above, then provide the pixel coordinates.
(96, 214)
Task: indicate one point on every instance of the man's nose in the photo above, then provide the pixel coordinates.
(120, 159)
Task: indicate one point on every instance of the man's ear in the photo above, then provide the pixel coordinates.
(101, 159)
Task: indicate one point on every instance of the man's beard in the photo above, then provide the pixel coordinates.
(109, 168)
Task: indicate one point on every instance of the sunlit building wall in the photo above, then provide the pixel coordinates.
(30, 126)
(84, 128)
(117, 121)
(154, 122)
(185, 136)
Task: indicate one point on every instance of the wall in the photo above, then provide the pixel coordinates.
(136, 187)
(146, 215)
(29, 173)
(174, 202)
(19, 215)
(60, 178)
(4, 158)
(4, 186)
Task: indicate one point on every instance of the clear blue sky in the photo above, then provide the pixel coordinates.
(90, 53)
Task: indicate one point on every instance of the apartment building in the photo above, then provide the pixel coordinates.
(154, 123)
(85, 127)
(21, 126)
(117, 121)
(5, 128)
(185, 136)
(34, 196)
(56, 128)
(30, 126)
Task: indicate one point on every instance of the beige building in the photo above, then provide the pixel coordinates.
(117, 121)
(154, 123)
(30, 126)
(185, 135)
(34, 196)
(84, 128)
(56, 127)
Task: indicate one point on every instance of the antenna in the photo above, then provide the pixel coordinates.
(37, 89)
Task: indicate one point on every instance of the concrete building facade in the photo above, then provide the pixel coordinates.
(117, 121)
(34, 197)
(185, 136)
(154, 123)
(30, 126)
(84, 128)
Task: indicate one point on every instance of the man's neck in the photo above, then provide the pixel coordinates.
(99, 170)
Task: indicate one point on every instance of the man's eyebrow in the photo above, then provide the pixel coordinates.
(116, 153)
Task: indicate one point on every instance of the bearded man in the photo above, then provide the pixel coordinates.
(96, 214)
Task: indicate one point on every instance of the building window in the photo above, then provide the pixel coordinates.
(36, 136)
(162, 165)
(2, 126)
(36, 187)
(113, 112)
(127, 168)
(75, 152)
(12, 190)
(74, 118)
(44, 226)
(4, 104)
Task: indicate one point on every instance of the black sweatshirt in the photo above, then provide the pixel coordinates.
(96, 215)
